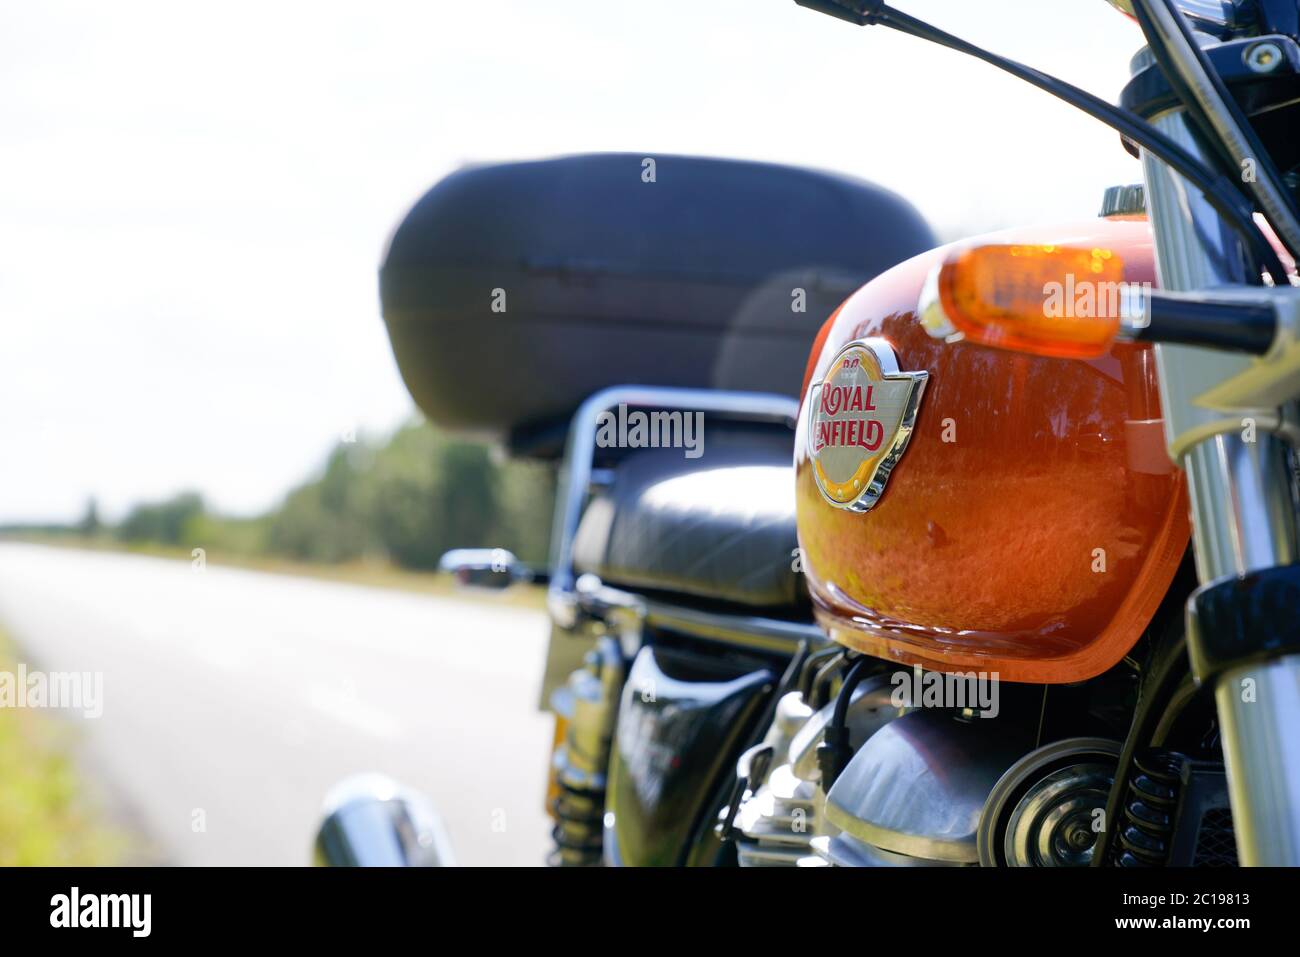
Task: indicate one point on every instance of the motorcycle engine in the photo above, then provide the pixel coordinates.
(926, 787)
(780, 819)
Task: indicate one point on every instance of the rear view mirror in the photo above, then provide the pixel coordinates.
(372, 821)
(493, 568)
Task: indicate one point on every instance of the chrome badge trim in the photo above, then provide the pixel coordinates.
(857, 434)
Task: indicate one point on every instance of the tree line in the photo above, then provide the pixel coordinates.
(406, 500)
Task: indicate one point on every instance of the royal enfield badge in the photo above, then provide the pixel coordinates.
(860, 418)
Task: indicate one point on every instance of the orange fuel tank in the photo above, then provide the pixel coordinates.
(1033, 521)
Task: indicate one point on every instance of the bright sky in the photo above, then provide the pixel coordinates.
(194, 197)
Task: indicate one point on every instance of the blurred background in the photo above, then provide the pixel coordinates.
(193, 207)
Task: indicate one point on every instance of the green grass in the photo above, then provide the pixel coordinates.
(46, 817)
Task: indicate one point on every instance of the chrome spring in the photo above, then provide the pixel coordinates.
(1148, 814)
(588, 702)
(579, 827)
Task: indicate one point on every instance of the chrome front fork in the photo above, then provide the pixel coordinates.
(1240, 482)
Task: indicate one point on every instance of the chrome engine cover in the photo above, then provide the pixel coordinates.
(917, 788)
(779, 820)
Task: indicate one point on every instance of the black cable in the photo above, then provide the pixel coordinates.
(1167, 666)
(1221, 192)
(1264, 163)
(821, 681)
(1160, 53)
(856, 673)
(810, 667)
(834, 753)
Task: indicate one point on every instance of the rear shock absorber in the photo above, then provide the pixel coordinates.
(589, 703)
(578, 832)
(1146, 830)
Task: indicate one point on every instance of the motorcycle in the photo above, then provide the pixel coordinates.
(1028, 593)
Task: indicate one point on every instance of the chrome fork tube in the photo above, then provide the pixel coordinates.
(1241, 505)
(1243, 514)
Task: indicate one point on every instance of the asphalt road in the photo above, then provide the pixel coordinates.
(235, 699)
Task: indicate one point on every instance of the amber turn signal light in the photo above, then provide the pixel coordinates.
(1043, 300)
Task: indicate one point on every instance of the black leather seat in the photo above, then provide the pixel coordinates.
(719, 527)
